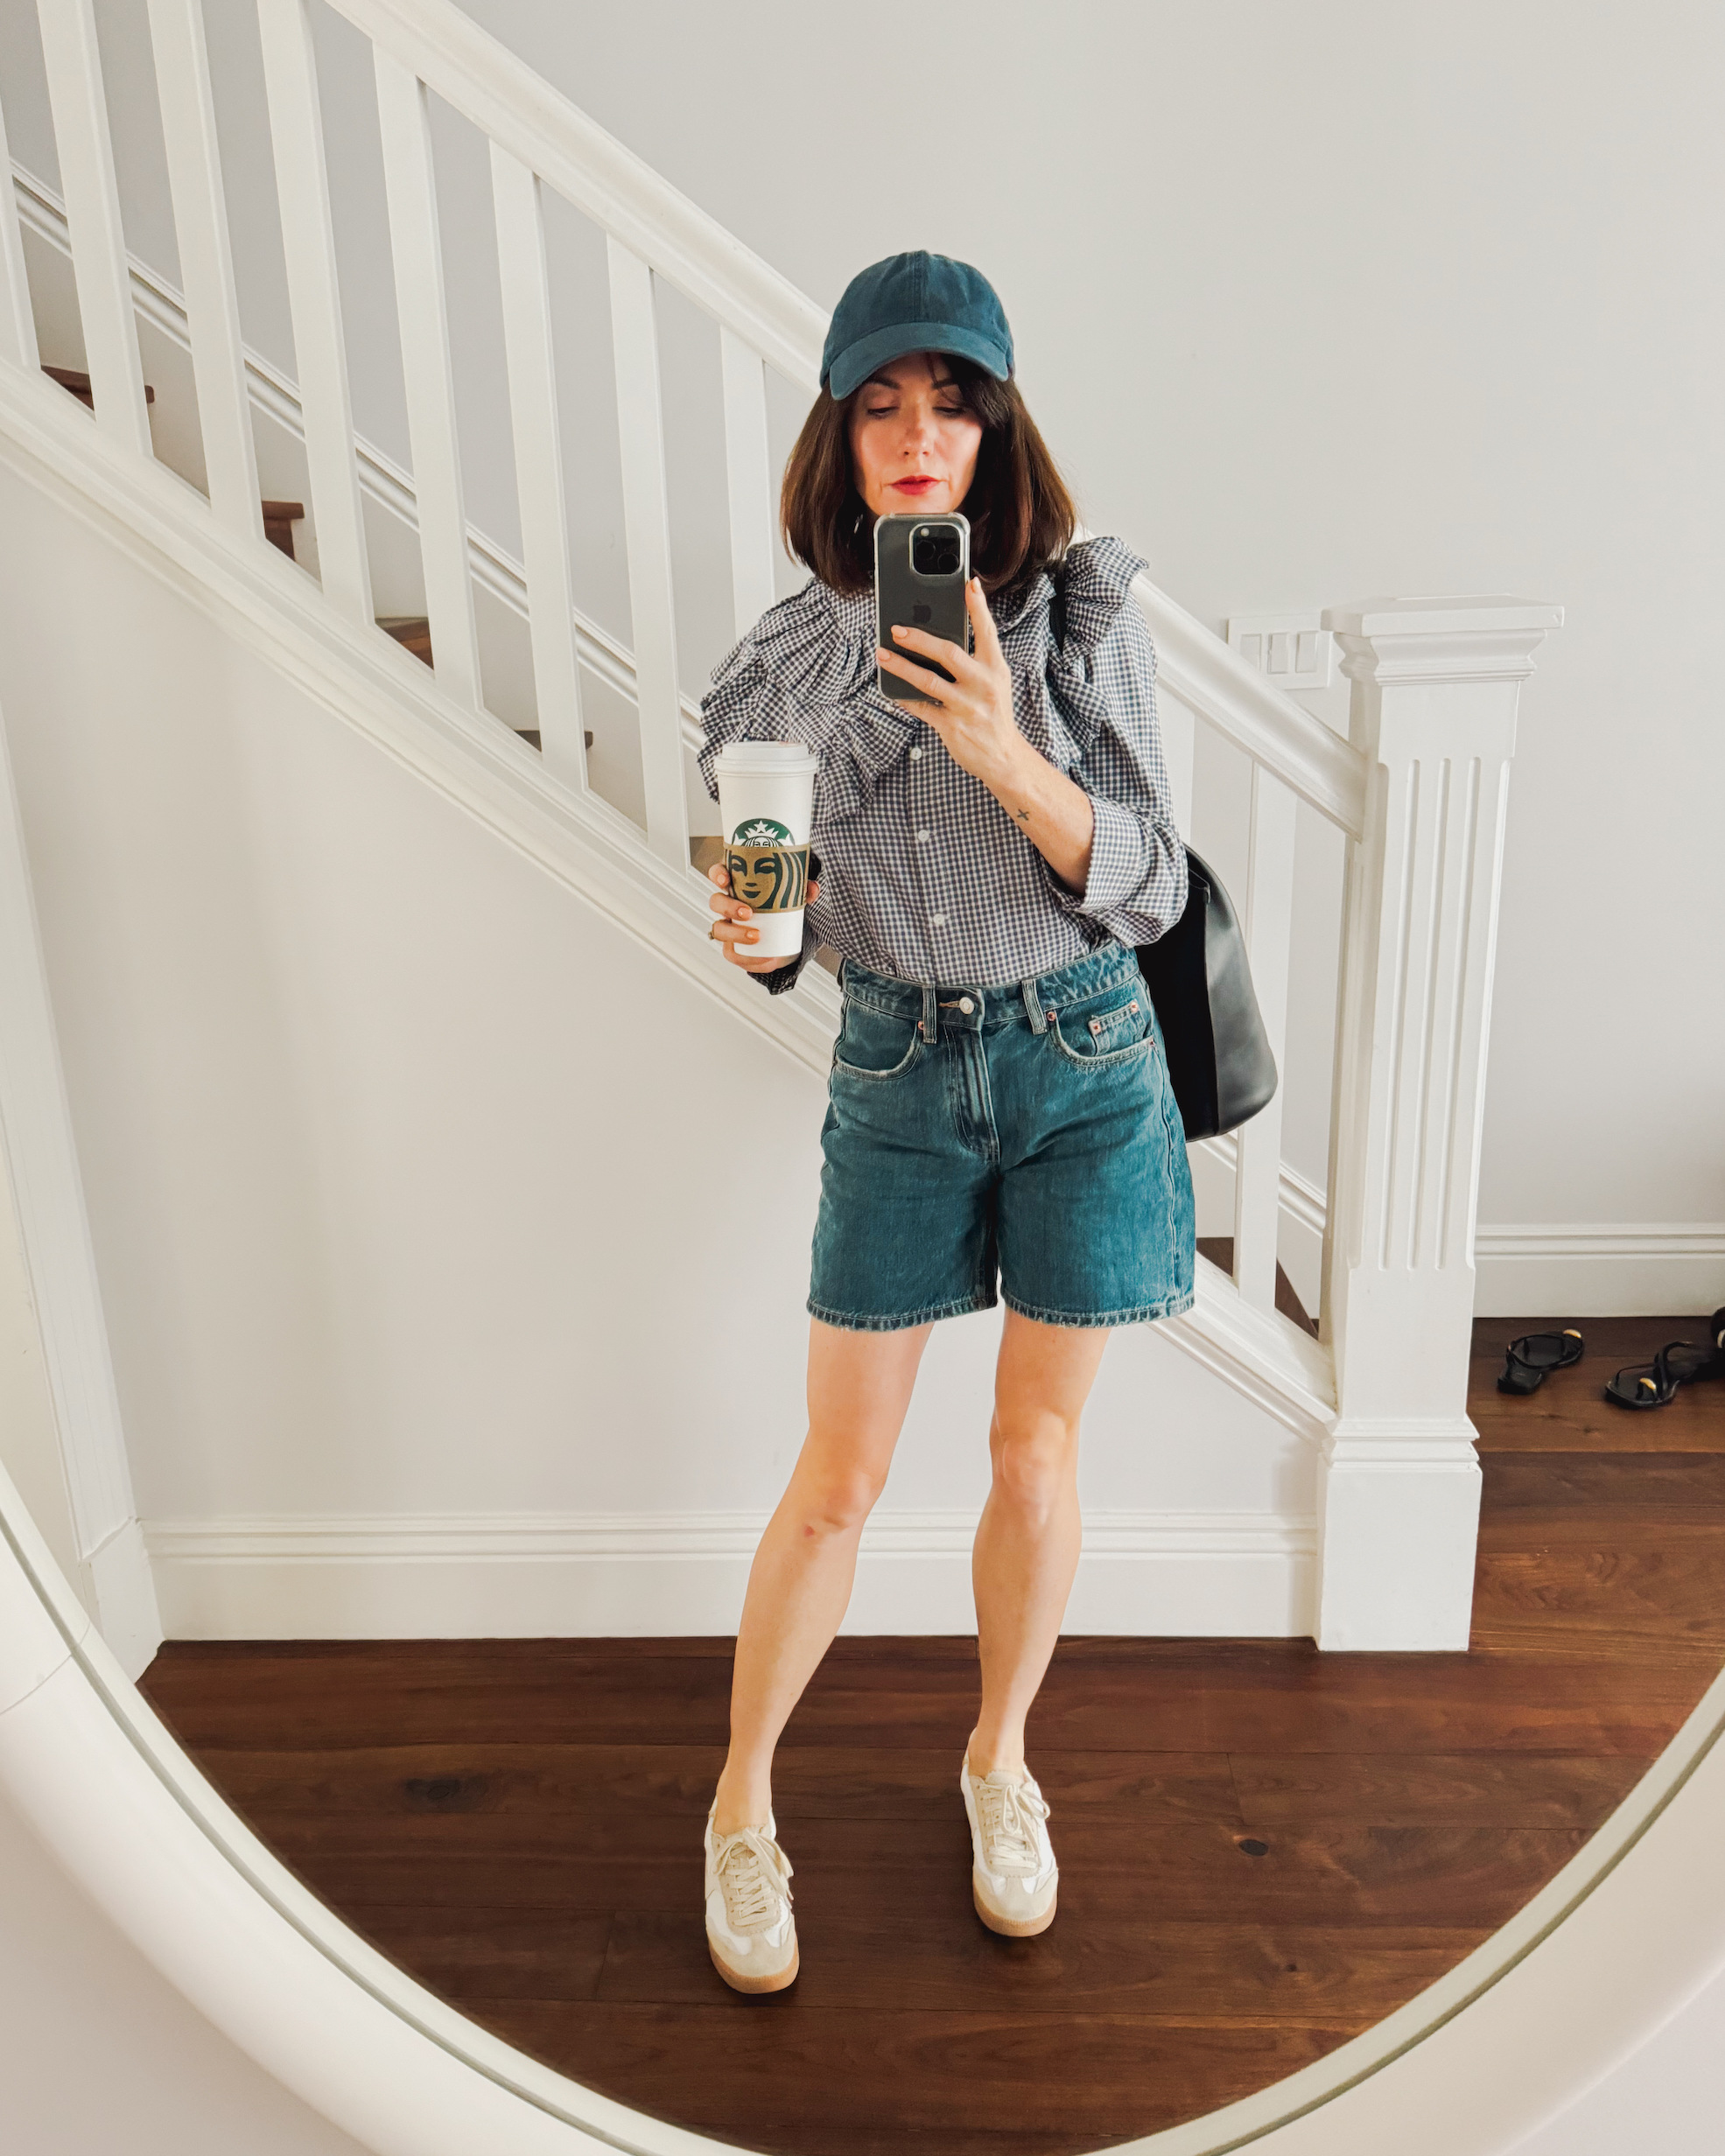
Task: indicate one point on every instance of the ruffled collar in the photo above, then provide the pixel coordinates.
(817, 648)
(1099, 573)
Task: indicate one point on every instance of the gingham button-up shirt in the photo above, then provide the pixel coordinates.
(925, 876)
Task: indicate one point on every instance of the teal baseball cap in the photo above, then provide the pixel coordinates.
(917, 301)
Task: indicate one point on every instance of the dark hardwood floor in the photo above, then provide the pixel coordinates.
(1263, 1849)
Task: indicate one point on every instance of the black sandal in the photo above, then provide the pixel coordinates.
(1679, 1362)
(1527, 1361)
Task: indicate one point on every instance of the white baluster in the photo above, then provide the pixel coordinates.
(99, 263)
(748, 475)
(519, 208)
(1268, 908)
(1435, 690)
(206, 263)
(427, 374)
(18, 323)
(647, 526)
(321, 351)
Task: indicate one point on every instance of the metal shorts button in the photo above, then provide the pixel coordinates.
(966, 1005)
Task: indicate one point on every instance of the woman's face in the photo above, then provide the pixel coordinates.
(913, 444)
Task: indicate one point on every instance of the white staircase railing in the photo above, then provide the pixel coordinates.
(1417, 789)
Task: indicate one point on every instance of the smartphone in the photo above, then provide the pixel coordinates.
(921, 566)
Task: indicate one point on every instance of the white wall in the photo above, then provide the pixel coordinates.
(427, 1206)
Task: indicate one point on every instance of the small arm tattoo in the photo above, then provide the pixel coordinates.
(1024, 815)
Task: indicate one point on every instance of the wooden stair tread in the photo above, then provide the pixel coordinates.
(411, 632)
(279, 517)
(1219, 1249)
(74, 379)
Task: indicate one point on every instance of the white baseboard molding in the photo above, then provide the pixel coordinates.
(1599, 1271)
(1544, 1270)
(536, 1576)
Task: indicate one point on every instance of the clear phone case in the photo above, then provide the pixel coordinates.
(928, 597)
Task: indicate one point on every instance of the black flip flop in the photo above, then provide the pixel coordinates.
(1679, 1362)
(1527, 1361)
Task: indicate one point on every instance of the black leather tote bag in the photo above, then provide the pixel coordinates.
(1218, 1053)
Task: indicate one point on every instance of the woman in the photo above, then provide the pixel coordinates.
(998, 1100)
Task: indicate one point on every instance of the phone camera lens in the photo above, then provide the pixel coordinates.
(934, 550)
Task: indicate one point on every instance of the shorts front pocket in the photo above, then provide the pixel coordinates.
(1106, 1029)
(875, 1045)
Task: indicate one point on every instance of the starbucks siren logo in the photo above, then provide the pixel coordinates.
(766, 871)
(761, 831)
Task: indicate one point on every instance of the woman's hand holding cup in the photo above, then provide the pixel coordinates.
(733, 931)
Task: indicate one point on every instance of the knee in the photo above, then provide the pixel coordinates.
(836, 1501)
(1035, 1465)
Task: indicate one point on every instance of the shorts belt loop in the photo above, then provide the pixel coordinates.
(1033, 1005)
(930, 1021)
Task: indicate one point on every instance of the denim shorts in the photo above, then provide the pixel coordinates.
(1029, 1131)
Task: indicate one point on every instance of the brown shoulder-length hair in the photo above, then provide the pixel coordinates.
(1021, 517)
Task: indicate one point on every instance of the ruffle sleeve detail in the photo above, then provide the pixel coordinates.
(801, 675)
(1061, 706)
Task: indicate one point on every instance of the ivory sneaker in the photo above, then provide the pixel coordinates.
(751, 1932)
(1014, 1879)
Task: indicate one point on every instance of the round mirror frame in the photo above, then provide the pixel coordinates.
(1614, 1946)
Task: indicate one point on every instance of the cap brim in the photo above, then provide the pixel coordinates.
(857, 362)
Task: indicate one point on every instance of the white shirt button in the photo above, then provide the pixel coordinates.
(966, 1005)
(916, 756)
(922, 838)
(937, 920)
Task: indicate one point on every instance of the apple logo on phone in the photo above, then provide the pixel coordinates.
(921, 614)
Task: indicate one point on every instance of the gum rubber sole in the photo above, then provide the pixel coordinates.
(738, 1981)
(1005, 1925)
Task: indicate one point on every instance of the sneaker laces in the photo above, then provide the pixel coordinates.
(1010, 1811)
(752, 1870)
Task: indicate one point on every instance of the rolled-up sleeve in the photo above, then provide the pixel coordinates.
(1136, 887)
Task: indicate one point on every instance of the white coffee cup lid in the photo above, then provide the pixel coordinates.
(791, 759)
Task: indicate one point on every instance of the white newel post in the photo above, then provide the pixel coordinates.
(1435, 684)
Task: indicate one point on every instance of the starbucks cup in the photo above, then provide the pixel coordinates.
(766, 804)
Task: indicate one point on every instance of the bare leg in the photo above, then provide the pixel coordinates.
(1027, 1547)
(860, 1386)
